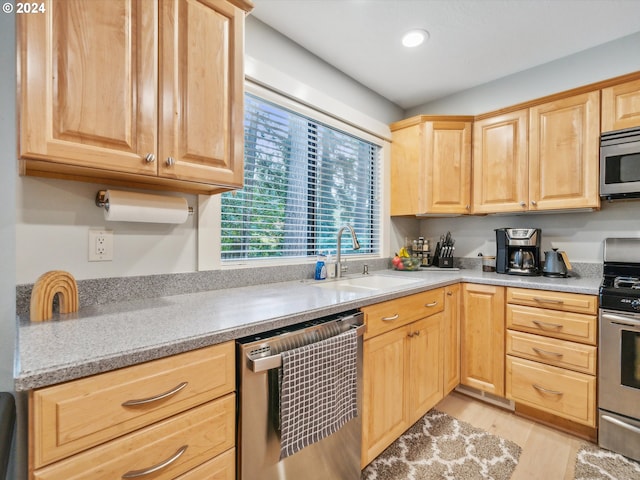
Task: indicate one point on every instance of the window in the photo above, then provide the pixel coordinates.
(303, 181)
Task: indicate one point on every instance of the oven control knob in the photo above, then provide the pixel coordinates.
(635, 304)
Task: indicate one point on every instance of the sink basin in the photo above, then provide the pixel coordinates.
(365, 283)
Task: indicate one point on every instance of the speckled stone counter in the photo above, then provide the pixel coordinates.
(100, 338)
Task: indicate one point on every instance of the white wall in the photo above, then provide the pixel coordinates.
(272, 48)
(580, 234)
(8, 170)
(53, 222)
(599, 63)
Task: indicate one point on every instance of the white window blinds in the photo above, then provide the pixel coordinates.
(303, 181)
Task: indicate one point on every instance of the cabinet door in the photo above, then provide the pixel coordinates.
(201, 85)
(564, 153)
(385, 377)
(447, 150)
(88, 79)
(621, 106)
(406, 168)
(451, 341)
(482, 338)
(500, 173)
(425, 365)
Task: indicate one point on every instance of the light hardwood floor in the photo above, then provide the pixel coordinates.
(547, 454)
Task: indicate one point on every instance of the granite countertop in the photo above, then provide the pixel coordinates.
(105, 337)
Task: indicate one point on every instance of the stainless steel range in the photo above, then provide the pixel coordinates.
(619, 344)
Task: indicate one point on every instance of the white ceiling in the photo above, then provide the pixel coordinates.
(471, 41)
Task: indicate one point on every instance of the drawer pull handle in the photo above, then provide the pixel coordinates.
(432, 304)
(546, 390)
(545, 324)
(159, 466)
(539, 351)
(547, 300)
(155, 398)
(392, 318)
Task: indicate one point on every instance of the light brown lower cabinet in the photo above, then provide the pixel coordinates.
(552, 357)
(180, 443)
(482, 338)
(451, 333)
(403, 376)
(177, 412)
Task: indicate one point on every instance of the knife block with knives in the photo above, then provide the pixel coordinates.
(443, 255)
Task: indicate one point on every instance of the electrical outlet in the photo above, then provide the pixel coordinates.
(100, 245)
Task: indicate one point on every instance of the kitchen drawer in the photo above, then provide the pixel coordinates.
(558, 391)
(223, 467)
(71, 417)
(561, 353)
(553, 323)
(385, 316)
(567, 302)
(206, 431)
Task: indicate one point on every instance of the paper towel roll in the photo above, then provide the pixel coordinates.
(143, 207)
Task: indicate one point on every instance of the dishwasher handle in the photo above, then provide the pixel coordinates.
(258, 365)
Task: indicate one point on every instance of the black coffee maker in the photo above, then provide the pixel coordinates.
(518, 251)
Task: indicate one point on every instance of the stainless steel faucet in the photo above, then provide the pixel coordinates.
(356, 246)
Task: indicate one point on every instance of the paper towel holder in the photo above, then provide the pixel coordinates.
(102, 202)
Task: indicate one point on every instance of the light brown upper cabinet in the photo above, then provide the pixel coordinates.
(500, 163)
(431, 166)
(621, 106)
(146, 94)
(540, 158)
(564, 145)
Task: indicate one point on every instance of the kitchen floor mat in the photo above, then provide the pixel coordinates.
(594, 463)
(442, 447)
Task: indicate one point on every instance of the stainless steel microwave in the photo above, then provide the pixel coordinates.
(620, 164)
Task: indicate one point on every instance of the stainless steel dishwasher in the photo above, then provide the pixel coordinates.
(336, 456)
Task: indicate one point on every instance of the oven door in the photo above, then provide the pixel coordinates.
(619, 363)
(620, 170)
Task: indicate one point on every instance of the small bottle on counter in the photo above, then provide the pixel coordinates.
(321, 268)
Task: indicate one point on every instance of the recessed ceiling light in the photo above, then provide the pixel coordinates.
(413, 38)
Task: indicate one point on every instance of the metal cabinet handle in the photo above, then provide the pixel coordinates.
(431, 304)
(547, 353)
(449, 293)
(547, 300)
(545, 324)
(468, 207)
(523, 204)
(534, 203)
(155, 398)
(159, 466)
(413, 334)
(392, 318)
(546, 390)
(150, 158)
(171, 161)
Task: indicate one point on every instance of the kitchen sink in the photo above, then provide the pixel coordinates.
(365, 283)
